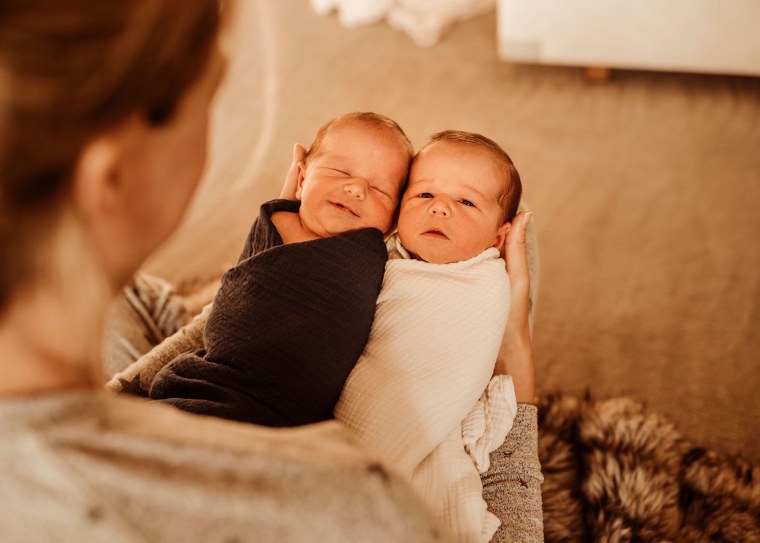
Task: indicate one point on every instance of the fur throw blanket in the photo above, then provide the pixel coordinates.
(616, 472)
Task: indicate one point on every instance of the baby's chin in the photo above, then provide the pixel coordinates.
(443, 259)
(337, 231)
(431, 256)
(438, 256)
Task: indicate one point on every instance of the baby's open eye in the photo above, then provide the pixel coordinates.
(424, 195)
(466, 202)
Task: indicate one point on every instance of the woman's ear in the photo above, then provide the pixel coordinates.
(96, 179)
(99, 182)
(104, 198)
(501, 236)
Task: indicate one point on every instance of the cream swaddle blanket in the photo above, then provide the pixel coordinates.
(416, 397)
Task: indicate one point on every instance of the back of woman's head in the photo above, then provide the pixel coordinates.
(70, 70)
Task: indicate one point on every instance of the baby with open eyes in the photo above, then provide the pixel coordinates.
(289, 325)
(416, 395)
(463, 192)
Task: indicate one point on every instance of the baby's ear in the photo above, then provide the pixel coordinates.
(501, 236)
(300, 176)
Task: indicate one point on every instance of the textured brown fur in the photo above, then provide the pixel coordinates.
(615, 472)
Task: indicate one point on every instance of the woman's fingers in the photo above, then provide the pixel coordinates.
(288, 191)
(517, 267)
(299, 152)
(516, 354)
(515, 249)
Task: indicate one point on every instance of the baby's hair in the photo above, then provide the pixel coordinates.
(511, 186)
(373, 119)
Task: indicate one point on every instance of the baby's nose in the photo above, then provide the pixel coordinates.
(440, 208)
(356, 189)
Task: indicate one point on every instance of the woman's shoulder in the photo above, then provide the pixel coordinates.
(125, 457)
(102, 423)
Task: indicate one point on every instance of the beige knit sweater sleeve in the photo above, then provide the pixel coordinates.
(138, 376)
(512, 484)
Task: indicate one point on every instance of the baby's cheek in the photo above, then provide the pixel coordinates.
(384, 216)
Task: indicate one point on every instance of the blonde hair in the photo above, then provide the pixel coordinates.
(373, 119)
(68, 71)
(511, 186)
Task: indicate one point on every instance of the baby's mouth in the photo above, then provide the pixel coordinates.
(344, 208)
(435, 233)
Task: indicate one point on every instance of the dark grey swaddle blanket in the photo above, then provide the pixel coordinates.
(287, 327)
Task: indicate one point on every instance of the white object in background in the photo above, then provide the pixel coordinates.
(424, 20)
(353, 13)
(673, 35)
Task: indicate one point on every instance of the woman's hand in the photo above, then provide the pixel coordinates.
(288, 191)
(516, 255)
(516, 354)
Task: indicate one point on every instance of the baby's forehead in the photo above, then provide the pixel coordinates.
(359, 143)
(362, 127)
(443, 153)
(456, 148)
(345, 125)
(364, 138)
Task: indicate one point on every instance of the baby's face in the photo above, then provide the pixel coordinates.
(354, 182)
(450, 211)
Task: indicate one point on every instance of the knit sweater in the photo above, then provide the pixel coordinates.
(512, 484)
(86, 466)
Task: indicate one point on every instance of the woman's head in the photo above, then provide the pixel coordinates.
(103, 122)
